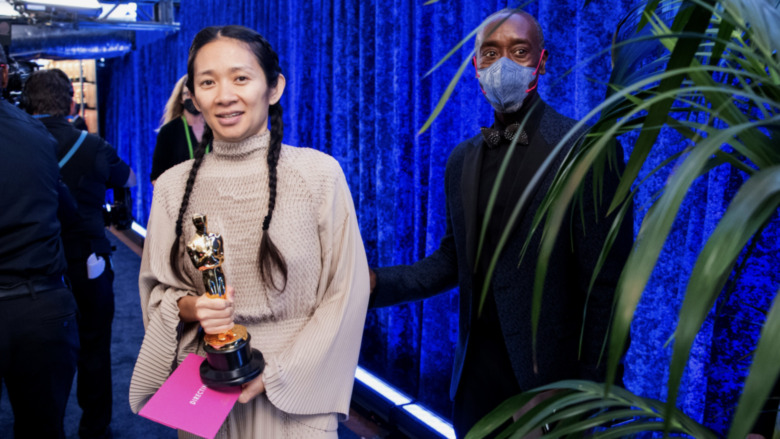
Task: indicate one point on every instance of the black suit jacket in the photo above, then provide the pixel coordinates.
(571, 265)
(93, 168)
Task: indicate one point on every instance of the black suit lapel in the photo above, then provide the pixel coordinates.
(535, 155)
(472, 164)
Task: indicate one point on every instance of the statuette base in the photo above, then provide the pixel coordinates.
(231, 366)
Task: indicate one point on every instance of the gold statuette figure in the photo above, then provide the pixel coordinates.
(230, 360)
(207, 254)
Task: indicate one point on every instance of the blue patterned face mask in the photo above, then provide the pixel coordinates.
(506, 84)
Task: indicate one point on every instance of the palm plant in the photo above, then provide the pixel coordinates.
(713, 76)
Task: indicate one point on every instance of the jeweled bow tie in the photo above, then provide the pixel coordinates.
(494, 137)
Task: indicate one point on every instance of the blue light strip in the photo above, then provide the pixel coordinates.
(138, 229)
(425, 416)
(431, 419)
(387, 391)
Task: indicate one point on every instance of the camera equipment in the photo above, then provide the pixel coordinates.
(119, 213)
(18, 72)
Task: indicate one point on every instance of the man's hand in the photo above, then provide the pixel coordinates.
(251, 389)
(372, 279)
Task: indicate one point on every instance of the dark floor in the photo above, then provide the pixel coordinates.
(126, 341)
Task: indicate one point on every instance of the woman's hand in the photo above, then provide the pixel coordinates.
(251, 389)
(214, 315)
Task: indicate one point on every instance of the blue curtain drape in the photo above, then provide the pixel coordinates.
(357, 89)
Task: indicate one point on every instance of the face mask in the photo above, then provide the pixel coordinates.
(190, 106)
(506, 84)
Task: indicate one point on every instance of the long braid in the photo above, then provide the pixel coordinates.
(199, 153)
(270, 255)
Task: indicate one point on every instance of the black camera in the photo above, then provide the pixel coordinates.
(119, 213)
(18, 72)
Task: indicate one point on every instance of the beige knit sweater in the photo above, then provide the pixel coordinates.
(310, 333)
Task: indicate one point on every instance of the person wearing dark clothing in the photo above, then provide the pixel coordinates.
(175, 142)
(76, 120)
(40, 344)
(181, 131)
(89, 166)
(494, 356)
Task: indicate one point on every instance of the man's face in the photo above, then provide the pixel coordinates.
(516, 39)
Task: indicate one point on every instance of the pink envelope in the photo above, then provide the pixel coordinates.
(185, 403)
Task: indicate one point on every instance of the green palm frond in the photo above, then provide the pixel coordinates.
(765, 369)
(713, 76)
(585, 408)
(753, 147)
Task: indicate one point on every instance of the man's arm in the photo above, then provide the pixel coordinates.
(119, 173)
(427, 277)
(131, 179)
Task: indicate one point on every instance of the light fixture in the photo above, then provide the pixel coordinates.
(431, 419)
(7, 10)
(417, 411)
(78, 4)
(137, 228)
(387, 391)
(120, 11)
(90, 8)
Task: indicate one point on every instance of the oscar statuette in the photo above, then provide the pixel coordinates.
(230, 359)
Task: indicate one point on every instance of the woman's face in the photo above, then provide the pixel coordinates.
(185, 94)
(231, 91)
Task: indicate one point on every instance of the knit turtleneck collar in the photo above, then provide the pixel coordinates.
(243, 148)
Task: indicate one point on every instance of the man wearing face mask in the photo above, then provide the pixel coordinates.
(180, 133)
(494, 357)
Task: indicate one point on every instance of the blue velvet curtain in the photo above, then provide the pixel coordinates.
(722, 352)
(357, 90)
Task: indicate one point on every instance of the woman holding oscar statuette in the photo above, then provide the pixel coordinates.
(294, 263)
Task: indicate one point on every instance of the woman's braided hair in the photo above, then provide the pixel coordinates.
(270, 256)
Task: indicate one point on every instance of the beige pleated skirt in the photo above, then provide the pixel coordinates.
(259, 419)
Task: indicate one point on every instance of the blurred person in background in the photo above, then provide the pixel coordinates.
(76, 119)
(37, 311)
(89, 166)
(180, 133)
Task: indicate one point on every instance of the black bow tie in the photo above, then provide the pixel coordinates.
(494, 137)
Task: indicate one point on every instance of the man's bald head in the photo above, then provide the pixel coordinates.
(497, 18)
